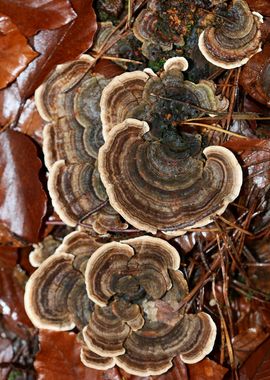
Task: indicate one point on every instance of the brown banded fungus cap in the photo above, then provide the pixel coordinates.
(69, 100)
(164, 26)
(55, 294)
(235, 38)
(120, 96)
(163, 100)
(43, 250)
(136, 323)
(156, 186)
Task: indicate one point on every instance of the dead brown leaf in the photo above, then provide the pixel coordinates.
(55, 47)
(59, 358)
(38, 14)
(22, 198)
(206, 370)
(177, 372)
(11, 293)
(10, 101)
(255, 76)
(245, 343)
(30, 121)
(257, 366)
(58, 46)
(261, 6)
(15, 53)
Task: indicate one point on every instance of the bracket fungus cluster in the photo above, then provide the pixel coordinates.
(163, 26)
(119, 151)
(235, 38)
(157, 176)
(124, 297)
(69, 102)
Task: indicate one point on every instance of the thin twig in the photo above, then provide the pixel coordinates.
(214, 128)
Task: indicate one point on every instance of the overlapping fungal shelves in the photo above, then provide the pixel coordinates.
(124, 297)
(119, 153)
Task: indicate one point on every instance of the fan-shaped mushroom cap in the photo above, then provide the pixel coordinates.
(105, 333)
(70, 100)
(154, 254)
(72, 191)
(75, 190)
(61, 142)
(164, 24)
(137, 287)
(150, 350)
(156, 99)
(52, 292)
(43, 250)
(55, 296)
(178, 63)
(92, 360)
(121, 96)
(155, 188)
(81, 245)
(49, 95)
(234, 41)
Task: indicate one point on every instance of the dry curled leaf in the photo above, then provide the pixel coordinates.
(15, 52)
(38, 14)
(22, 198)
(10, 101)
(257, 366)
(244, 344)
(206, 370)
(261, 6)
(11, 292)
(30, 122)
(55, 46)
(59, 358)
(255, 154)
(255, 77)
(58, 46)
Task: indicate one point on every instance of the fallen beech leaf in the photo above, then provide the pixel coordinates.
(245, 343)
(10, 101)
(15, 53)
(250, 314)
(107, 68)
(257, 162)
(22, 199)
(261, 6)
(58, 46)
(206, 370)
(59, 358)
(30, 121)
(257, 366)
(7, 238)
(34, 15)
(11, 292)
(255, 77)
(255, 154)
(177, 372)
